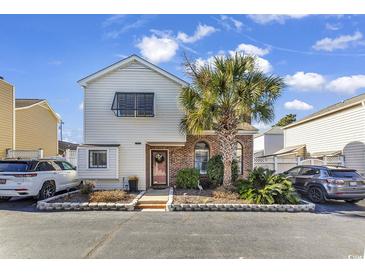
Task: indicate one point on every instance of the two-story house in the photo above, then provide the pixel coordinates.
(27, 126)
(131, 128)
(337, 130)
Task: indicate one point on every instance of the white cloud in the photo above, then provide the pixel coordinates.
(335, 26)
(347, 84)
(158, 49)
(114, 34)
(263, 65)
(297, 105)
(305, 81)
(55, 62)
(200, 32)
(261, 126)
(252, 50)
(245, 49)
(73, 135)
(340, 42)
(81, 106)
(248, 49)
(229, 23)
(278, 18)
(118, 18)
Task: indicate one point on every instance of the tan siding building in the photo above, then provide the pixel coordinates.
(36, 126)
(6, 117)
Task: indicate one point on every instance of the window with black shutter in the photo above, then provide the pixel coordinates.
(128, 104)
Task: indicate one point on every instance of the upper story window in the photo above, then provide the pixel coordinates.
(131, 104)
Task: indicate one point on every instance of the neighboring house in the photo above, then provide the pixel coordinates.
(36, 126)
(336, 130)
(268, 142)
(68, 151)
(63, 146)
(7, 120)
(131, 128)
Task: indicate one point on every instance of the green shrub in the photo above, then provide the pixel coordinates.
(264, 187)
(187, 178)
(234, 170)
(215, 170)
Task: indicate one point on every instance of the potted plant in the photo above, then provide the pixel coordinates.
(133, 183)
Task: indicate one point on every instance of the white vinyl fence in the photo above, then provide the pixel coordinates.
(71, 156)
(283, 163)
(24, 154)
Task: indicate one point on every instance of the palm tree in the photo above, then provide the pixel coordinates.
(224, 94)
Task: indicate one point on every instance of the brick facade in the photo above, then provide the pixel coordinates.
(183, 157)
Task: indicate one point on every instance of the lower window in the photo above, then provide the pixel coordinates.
(97, 158)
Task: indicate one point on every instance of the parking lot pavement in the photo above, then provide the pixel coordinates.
(336, 230)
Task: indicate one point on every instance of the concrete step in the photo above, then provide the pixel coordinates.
(151, 206)
(153, 209)
(152, 202)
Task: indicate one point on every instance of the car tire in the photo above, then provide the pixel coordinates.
(48, 190)
(353, 201)
(316, 195)
(4, 198)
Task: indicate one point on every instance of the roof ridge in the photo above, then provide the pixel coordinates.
(329, 108)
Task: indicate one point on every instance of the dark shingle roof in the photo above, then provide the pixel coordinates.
(63, 145)
(246, 126)
(20, 103)
(347, 102)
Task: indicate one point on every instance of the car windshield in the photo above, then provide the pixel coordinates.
(344, 174)
(13, 166)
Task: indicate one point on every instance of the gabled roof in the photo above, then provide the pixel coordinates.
(287, 150)
(21, 104)
(331, 109)
(63, 145)
(246, 126)
(84, 81)
(271, 131)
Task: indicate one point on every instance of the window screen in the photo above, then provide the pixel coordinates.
(97, 158)
(126, 104)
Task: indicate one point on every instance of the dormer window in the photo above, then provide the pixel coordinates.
(133, 104)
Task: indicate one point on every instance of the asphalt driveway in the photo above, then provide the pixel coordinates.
(336, 230)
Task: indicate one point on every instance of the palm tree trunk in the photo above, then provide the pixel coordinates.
(226, 144)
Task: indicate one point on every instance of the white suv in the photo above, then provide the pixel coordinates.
(37, 178)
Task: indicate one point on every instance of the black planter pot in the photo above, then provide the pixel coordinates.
(133, 185)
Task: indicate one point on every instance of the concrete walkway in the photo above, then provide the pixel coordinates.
(154, 199)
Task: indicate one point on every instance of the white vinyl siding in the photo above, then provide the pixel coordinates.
(273, 143)
(336, 131)
(268, 143)
(259, 143)
(110, 172)
(101, 126)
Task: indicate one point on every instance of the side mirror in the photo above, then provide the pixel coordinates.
(285, 172)
(75, 168)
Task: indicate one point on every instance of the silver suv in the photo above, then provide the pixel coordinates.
(327, 182)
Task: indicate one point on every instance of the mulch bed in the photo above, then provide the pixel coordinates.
(115, 196)
(209, 196)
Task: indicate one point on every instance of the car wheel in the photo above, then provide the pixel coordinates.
(48, 190)
(353, 201)
(316, 195)
(4, 198)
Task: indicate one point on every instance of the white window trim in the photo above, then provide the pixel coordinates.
(107, 159)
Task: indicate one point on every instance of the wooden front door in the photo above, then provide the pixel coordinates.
(159, 167)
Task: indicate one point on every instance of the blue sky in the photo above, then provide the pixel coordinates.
(321, 57)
